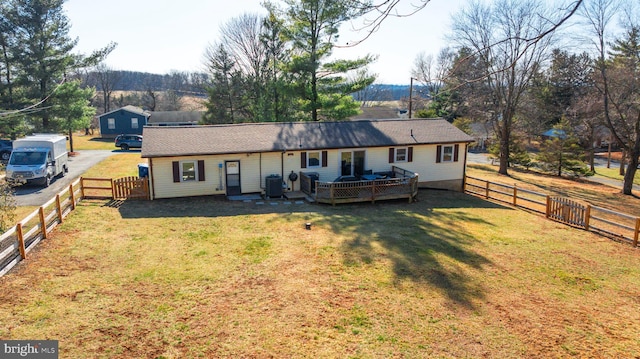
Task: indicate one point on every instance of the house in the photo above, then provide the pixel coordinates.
(175, 118)
(128, 119)
(237, 158)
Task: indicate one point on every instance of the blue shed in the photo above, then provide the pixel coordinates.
(128, 119)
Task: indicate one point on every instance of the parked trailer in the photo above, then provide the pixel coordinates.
(38, 159)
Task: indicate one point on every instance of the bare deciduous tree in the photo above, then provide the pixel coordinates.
(619, 78)
(107, 80)
(433, 72)
(499, 36)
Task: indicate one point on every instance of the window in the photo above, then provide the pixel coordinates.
(186, 171)
(401, 154)
(111, 123)
(447, 153)
(134, 123)
(313, 159)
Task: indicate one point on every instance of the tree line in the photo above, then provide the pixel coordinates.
(38, 88)
(510, 69)
(509, 72)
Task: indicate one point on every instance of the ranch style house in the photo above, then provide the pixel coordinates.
(236, 159)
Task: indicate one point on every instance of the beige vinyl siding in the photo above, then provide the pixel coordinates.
(329, 173)
(164, 187)
(377, 160)
(430, 171)
(255, 167)
(424, 163)
(251, 180)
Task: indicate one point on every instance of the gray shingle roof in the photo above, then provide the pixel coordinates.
(130, 108)
(278, 136)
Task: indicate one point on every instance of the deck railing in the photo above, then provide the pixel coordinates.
(404, 184)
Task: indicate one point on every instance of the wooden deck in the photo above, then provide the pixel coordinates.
(404, 184)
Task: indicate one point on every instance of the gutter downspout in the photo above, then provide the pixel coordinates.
(282, 164)
(152, 177)
(464, 168)
(260, 174)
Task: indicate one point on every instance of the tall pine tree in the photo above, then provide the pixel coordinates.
(321, 85)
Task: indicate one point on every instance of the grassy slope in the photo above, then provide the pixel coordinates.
(581, 189)
(450, 276)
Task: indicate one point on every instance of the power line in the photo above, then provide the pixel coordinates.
(32, 108)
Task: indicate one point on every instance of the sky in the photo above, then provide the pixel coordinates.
(159, 36)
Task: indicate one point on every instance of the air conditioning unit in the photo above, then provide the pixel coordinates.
(273, 186)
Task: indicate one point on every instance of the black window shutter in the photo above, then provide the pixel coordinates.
(176, 171)
(303, 160)
(410, 154)
(324, 159)
(438, 154)
(392, 154)
(456, 149)
(201, 170)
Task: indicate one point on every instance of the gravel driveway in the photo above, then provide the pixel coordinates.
(32, 195)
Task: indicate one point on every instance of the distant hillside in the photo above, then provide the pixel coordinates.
(382, 92)
(193, 83)
(182, 82)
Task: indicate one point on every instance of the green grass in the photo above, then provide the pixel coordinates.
(614, 173)
(91, 142)
(450, 276)
(117, 166)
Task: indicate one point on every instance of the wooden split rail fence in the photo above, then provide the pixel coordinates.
(20, 239)
(617, 225)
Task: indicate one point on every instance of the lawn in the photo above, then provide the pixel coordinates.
(91, 142)
(615, 174)
(450, 276)
(580, 188)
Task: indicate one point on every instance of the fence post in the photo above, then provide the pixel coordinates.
(81, 188)
(373, 191)
(43, 223)
(486, 191)
(331, 195)
(113, 190)
(637, 233)
(587, 217)
(73, 197)
(23, 250)
(58, 207)
(548, 211)
(515, 195)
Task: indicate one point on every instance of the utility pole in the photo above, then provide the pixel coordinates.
(410, 96)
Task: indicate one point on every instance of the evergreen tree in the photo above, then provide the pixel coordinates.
(562, 152)
(70, 108)
(36, 61)
(279, 98)
(44, 57)
(225, 90)
(7, 205)
(312, 29)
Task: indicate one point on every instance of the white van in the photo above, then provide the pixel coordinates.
(38, 159)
